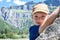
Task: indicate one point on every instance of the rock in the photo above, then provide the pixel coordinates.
(52, 32)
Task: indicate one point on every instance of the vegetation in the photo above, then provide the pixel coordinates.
(8, 31)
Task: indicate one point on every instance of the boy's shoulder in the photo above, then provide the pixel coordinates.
(34, 27)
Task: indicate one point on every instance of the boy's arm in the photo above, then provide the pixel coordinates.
(49, 20)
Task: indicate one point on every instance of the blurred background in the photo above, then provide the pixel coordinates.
(16, 18)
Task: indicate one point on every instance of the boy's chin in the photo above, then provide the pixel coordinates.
(37, 23)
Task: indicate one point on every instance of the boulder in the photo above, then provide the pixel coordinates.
(52, 32)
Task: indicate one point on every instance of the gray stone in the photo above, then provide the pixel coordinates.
(52, 32)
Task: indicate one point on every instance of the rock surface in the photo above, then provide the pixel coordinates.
(52, 32)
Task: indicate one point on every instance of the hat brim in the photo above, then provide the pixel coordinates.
(40, 11)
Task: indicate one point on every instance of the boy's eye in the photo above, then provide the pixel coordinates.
(43, 16)
(36, 16)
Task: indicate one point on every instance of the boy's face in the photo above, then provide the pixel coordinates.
(39, 17)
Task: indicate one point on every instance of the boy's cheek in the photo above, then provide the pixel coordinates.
(41, 21)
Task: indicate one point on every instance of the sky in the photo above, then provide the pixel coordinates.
(8, 3)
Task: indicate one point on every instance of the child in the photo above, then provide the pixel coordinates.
(39, 13)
